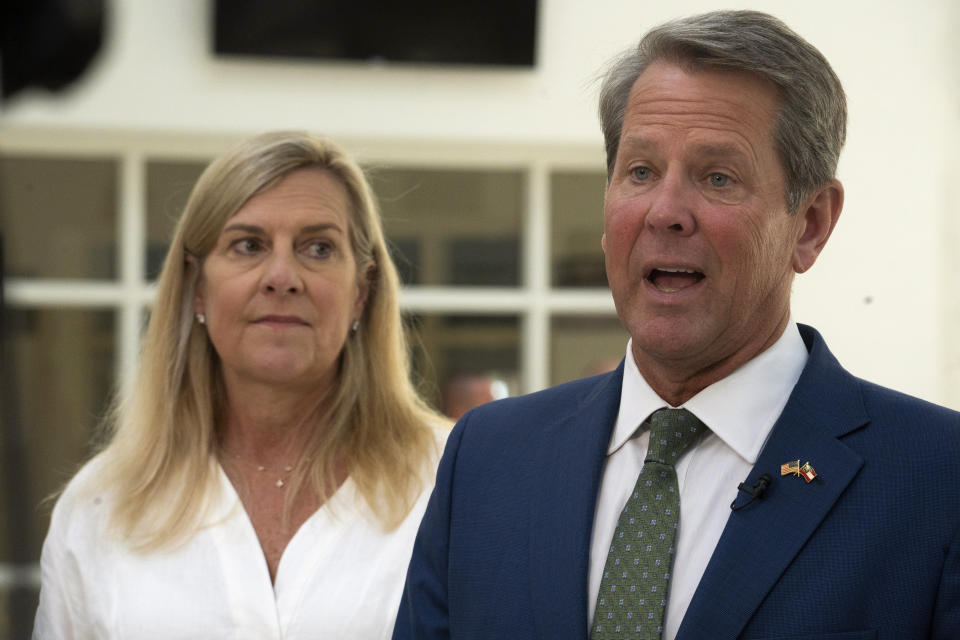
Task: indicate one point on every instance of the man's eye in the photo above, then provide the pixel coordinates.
(640, 173)
(719, 179)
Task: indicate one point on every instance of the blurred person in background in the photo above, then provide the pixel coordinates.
(267, 472)
(464, 391)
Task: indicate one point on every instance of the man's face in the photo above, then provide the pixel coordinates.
(700, 249)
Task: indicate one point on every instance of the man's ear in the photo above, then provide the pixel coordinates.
(818, 217)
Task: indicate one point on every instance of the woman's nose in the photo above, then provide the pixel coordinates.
(282, 274)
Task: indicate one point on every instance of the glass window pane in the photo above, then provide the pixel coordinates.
(576, 204)
(168, 187)
(583, 346)
(57, 376)
(59, 217)
(462, 361)
(453, 227)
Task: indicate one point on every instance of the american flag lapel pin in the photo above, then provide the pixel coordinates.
(791, 468)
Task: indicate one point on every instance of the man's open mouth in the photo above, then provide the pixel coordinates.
(670, 280)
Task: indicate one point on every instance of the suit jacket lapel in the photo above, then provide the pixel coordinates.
(569, 466)
(760, 541)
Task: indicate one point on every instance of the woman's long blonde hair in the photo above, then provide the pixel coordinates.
(160, 461)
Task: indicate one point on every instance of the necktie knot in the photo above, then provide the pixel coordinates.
(672, 432)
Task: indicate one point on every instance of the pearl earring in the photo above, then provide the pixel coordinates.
(355, 326)
(202, 319)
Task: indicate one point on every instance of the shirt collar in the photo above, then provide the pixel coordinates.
(740, 409)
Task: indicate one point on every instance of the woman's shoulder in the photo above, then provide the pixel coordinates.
(439, 432)
(85, 481)
(71, 554)
(82, 506)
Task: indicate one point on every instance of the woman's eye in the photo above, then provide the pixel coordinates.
(247, 245)
(319, 249)
(640, 173)
(719, 180)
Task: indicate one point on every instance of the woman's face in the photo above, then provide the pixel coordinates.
(280, 288)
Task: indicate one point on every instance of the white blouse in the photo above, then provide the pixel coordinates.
(340, 576)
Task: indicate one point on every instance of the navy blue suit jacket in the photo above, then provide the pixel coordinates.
(869, 549)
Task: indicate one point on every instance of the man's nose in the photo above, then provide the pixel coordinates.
(672, 208)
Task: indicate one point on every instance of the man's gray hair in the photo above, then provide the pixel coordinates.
(811, 126)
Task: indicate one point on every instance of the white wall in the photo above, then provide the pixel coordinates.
(885, 292)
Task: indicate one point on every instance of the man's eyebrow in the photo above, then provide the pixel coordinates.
(635, 142)
(710, 149)
(720, 150)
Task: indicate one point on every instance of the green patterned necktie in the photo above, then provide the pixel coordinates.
(633, 591)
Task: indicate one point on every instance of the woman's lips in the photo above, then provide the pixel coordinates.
(282, 321)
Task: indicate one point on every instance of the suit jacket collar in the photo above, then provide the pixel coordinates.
(758, 543)
(569, 465)
(761, 540)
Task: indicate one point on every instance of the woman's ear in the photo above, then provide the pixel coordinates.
(191, 270)
(818, 217)
(363, 289)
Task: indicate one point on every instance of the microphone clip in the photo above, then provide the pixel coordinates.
(756, 492)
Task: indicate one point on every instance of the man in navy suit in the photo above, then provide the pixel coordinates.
(723, 133)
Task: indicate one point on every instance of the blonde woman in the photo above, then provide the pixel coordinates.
(266, 475)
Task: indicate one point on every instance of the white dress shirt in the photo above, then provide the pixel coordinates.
(740, 411)
(341, 576)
